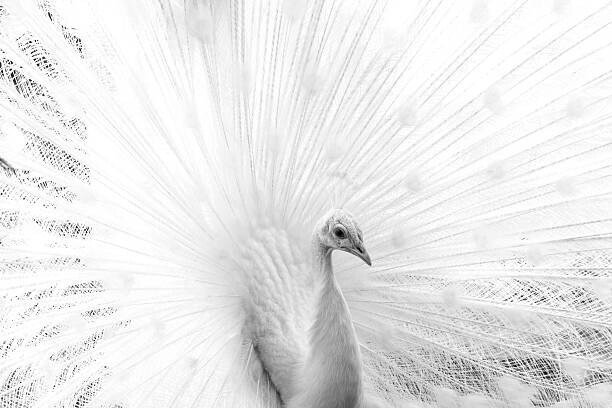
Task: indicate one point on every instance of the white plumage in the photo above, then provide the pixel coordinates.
(166, 164)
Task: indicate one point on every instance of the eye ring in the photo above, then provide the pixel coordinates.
(339, 232)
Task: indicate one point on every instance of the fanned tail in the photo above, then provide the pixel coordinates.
(148, 140)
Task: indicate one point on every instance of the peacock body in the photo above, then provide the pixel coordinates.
(168, 165)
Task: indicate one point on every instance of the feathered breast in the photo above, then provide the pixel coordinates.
(279, 299)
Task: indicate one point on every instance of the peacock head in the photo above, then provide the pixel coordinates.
(339, 230)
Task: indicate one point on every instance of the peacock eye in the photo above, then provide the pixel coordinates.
(340, 232)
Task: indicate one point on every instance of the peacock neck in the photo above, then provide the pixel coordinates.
(334, 348)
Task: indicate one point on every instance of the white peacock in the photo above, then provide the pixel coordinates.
(178, 173)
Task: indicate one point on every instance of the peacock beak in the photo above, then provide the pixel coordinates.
(359, 251)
